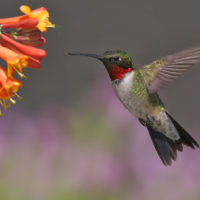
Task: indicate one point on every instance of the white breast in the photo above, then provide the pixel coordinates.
(123, 91)
(124, 86)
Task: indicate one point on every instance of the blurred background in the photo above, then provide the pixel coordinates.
(70, 138)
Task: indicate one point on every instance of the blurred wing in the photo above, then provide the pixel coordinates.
(161, 72)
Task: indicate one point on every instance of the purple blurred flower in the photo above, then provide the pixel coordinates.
(98, 148)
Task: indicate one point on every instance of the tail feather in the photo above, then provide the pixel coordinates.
(166, 147)
(185, 137)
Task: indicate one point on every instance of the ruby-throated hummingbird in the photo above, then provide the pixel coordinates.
(137, 90)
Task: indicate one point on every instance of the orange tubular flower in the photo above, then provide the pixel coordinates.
(32, 62)
(14, 61)
(19, 37)
(25, 23)
(8, 89)
(41, 14)
(38, 18)
(13, 20)
(25, 49)
(33, 58)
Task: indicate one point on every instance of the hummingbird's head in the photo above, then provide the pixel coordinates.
(117, 63)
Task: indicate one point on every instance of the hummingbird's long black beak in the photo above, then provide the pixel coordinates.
(86, 54)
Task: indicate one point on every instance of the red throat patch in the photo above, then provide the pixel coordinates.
(117, 72)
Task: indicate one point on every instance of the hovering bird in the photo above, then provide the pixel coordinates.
(137, 90)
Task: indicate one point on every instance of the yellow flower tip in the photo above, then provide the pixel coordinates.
(8, 89)
(15, 86)
(17, 65)
(18, 96)
(5, 103)
(13, 101)
(19, 62)
(12, 88)
(44, 22)
(41, 14)
(43, 26)
(23, 75)
(52, 25)
(25, 9)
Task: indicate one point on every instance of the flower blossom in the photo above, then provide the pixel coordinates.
(8, 89)
(29, 36)
(41, 14)
(38, 17)
(19, 38)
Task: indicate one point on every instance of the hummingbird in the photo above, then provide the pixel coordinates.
(137, 90)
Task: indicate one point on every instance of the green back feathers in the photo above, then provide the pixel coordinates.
(149, 71)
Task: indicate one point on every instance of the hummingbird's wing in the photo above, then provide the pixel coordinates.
(160, 72)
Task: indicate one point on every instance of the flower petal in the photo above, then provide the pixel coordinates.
(25, 49)
(25, 9)
(32, 62)
(14, 61)
(41, 14)
(13, 20)
(8, 85)
(26, 23)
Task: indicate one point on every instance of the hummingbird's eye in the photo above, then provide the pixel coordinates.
(116, 58)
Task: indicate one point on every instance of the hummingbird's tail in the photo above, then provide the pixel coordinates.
(186, 138)
(166, 147)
